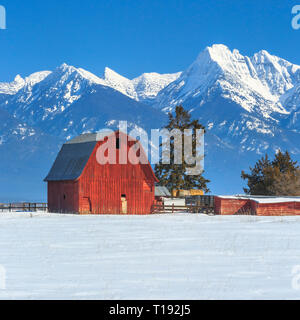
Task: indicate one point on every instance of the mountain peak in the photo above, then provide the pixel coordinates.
(142, 88)
(18, 78)
(223, 55)
(218, 47)
(13, 87)
(65, 68)
(111, 75)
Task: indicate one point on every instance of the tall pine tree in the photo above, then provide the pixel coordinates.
(175, 176)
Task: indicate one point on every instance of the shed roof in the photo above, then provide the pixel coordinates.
(263, 199)
(161, 191)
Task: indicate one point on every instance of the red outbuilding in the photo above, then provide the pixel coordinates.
(80, 182)
(257, 205)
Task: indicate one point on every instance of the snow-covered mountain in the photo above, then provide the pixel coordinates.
(69, 101)
(243, 100)
(249, 105)
(255, 83)
(13, 87)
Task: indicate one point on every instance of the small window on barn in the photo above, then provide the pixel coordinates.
(118, 143)
(123, 196)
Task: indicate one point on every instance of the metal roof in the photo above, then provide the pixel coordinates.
(91, 137)
(161, 191)
(71, 161)
(74, 156)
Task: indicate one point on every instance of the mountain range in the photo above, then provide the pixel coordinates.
(249, 105)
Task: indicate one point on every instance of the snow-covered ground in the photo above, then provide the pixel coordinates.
(179, 256)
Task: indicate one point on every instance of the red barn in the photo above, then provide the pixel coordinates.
(257, 205)
(78, 183)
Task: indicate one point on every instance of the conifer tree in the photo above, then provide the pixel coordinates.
(175, 176)
(280, 177)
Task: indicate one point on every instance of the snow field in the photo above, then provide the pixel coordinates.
(171, 256)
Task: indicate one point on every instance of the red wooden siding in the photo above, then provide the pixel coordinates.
(63, 196)
(231, 206)
(278, 209)
(104, 185)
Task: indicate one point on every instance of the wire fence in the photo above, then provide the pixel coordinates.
(24, 207)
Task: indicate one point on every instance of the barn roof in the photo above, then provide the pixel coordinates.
(74, 156)
(71, 161)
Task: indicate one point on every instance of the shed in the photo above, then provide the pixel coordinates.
(257, 205)
(161, 191)
(79, 183)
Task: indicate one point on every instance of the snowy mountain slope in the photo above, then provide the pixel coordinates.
(102, 107)
(26, 154)
(143, 88)
(291, 99)
(37, 101)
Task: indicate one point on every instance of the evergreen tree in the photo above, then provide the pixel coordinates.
(274, 178)
(258, 178)
(175, 176)
(284, 162)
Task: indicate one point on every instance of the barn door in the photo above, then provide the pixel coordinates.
(86, 205)
(123, 204)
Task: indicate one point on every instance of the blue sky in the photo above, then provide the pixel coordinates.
(134, 36)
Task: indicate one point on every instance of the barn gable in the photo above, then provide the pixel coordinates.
(74, 156)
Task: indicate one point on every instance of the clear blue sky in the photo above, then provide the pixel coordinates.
(136, 36)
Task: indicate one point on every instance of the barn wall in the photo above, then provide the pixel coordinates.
(225, 206)
(63, 196)
(278, 209)
(103, 185)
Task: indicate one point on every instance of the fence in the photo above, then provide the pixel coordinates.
(201, 201)
(24, 207)
(161, 208)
